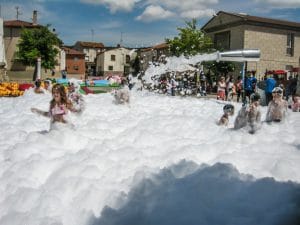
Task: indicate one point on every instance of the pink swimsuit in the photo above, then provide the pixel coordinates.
(58, 110)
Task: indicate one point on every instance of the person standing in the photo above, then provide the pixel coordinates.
(239, 88)
(221, 88)
(270, 85)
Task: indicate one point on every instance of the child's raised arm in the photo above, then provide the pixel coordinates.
(40, 112)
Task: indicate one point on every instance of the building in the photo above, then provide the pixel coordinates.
(115, 61)
(74, 61)
(12, 32)
(90, 49)
(153, 54)
(278, 40)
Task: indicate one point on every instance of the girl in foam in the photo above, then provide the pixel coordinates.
(59, 105)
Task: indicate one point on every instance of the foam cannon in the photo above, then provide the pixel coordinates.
(244, 55)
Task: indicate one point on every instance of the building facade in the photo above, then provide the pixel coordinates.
(74, 61)
(90, 49)
(115, 62)
(278, 40)
(12, 33)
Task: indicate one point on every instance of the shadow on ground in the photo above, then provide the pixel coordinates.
(190, 194)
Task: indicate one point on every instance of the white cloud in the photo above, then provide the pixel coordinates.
(184, 5)
(280, 3)
(197, 13)
(154, 12)
(114, 5)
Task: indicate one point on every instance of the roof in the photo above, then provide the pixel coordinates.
(19, 23)
(160, 46)
(91, 44)
(157, 47)
(245, 18)
(70, 51)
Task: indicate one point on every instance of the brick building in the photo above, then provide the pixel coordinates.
(75, 62)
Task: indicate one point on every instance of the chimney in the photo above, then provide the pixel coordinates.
(34, 17)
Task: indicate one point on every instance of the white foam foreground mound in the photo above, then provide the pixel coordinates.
(159, 160)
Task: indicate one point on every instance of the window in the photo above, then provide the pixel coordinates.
(113, 57)
(127, 58)
(290, 44)
(110, 68)
(75, 58)
(222, 40)
(76, 67)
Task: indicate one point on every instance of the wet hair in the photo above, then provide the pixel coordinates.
(228, 108)
(47, 81)
(277, 90)
(61, 89)
(255, 97)
(37, 83)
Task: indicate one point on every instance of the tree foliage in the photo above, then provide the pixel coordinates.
(38, 42)
(190, 41)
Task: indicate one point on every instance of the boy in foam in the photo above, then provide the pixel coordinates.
(250, 115)
(228, 110)
(277, 107)
(254, 114)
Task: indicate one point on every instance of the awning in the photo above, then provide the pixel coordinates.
(277, 72)
(280, 72)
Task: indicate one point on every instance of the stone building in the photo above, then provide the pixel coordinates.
(278, 40)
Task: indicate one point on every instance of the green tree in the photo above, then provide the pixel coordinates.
(190, 41)
(38, 42)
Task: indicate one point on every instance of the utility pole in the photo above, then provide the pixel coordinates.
(18, 12)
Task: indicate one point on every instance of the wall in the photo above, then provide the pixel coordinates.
(272, 43)
(72, 62)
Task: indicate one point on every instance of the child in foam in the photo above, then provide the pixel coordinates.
(38, 88)
(59, 105)
(277, 107)
(48, 85)
(296, 103)
(249, 115)
(228, 110)
(254, 114)
(74, 95)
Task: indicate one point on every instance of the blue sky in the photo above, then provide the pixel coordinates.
(140, 23)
